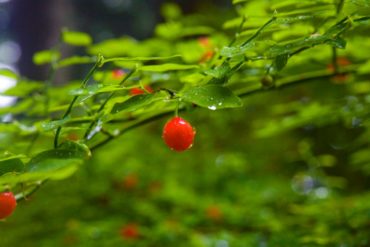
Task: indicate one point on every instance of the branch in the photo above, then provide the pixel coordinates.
(283, 83)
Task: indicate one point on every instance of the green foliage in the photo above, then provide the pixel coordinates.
(76, 38)
(288, 167)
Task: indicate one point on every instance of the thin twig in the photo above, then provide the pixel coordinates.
(69, 109)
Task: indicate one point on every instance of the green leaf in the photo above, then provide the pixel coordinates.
(281, 61)
(171, 11)
(75, 60)
(114, 47)
(138, 59)
(212, 97)
(220, 71)
(133, 103)
(169, 30)
(95, 89)
(45, 56)
(364, 68)
(232, 51)
(52, 125)
(338, 43)
(11, 165)
(76, 38)
(167, 67)
(58, 163)
(239, 1)
(24, 88)
(8, 73)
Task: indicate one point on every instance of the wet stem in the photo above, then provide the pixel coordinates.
(93, 123)
(69, 109)
(334, 49)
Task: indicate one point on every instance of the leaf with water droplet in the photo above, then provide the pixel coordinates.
(51, 125)
(212, 97)
(220, 71)
(57, 163)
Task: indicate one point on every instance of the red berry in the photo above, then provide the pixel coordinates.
(138, 91)
(7, 204)
(206, 56)
(204, 42)
(130, 231)
(118, 73)
(130, 181)
(214, 213)
(178, 134)
(341, 63)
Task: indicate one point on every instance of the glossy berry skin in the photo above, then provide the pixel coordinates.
(178, 134)
(7, 204)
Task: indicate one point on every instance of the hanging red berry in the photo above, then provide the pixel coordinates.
(178, 134)
(7, 204)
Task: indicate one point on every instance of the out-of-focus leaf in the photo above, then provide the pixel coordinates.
(45, 57)
(124, 46)
(212, 97)
(167, 67)
(24, 88)
(169, 30)
(133, 59)
(171, 11)
(8, 73)
(75, 60)
(364, 68)
(76, 38)
(192, 78)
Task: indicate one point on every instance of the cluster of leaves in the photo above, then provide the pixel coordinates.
(190, 64)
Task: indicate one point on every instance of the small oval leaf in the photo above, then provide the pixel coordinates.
(58, 163)
(45, 56)
(281, 61)
(76, 38)
(212, 97)
(133, 103)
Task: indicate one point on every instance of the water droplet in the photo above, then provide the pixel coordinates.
(303, 184)
(321, 192)
(212, 107)
(116, 132)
